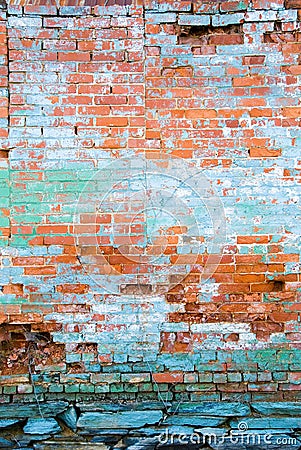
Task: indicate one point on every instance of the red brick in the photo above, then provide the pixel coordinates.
(291, 112)
(234, 288)
(230, 6)
(254, 60)
(168, 377)
(3, 112)
(226, 39)
(253, 239)
(263, 287)
(248, 259)
(63, 259)
(282, 258)
(222, 277)
(200, 113)
(42, 270)
(58, 240)
(52, 229)
(252, 268)
(15, 289)
(249, 278)
(37, 240)
(294, 4)
(248, 81)
(38, 9)
(28, 261)
(73, 288)
(261, 112)
(257, 152)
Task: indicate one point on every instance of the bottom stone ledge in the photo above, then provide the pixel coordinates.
(135, 426)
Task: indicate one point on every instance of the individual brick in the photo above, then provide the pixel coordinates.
(293, 4)
(194, 20)
(161, 18)
(227, 19)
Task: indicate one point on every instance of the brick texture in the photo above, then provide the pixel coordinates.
(89, 89)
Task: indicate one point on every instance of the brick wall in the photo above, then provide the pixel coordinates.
(150, 182)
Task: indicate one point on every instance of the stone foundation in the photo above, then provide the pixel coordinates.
(151, 425)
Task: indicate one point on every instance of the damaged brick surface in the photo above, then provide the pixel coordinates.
(112, 285)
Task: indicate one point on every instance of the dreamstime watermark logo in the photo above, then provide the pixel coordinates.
(238, 437)
(146, 222)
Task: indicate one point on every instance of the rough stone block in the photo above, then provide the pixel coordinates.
(197, 420)
(278, 408)
(23, 411)
(69, 417)
(124, 419)
(218, 409)
(269, 422)
(41, 426)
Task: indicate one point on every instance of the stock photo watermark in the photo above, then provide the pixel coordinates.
(241, 436)
(145, 222)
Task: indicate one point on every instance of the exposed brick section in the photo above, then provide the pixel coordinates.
(206, 38)
(29, 346)
(293, 4)
(86, 83)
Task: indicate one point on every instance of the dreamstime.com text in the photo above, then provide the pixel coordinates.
(241, 436)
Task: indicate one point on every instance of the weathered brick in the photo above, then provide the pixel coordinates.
(161, 18)
(168, 377)
(227, 19)
(293, 4)
(193, 20)
(88, 84)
